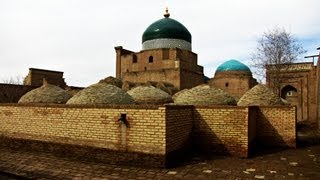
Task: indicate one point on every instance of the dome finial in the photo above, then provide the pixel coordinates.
(166, 13)
(44, 82)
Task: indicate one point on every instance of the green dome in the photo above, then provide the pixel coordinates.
(233, 65)
(166, 28)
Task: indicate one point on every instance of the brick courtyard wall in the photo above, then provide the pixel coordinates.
(252, 130)
(86, 126)
(221, 129)
(153, 135)
(98, 127)
(179, 122)
(276, 126)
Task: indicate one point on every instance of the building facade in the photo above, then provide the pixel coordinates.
(234, 77)
(35, 77)
(166, 56)
(299, 85)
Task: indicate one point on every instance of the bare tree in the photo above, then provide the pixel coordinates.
(276, 50)
(18, 80)
(12, 89)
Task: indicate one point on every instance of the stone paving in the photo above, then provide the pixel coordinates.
(302, 163)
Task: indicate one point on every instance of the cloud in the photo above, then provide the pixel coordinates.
(78, 37)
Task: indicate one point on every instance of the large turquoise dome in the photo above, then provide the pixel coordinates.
(166, 33)
(233, 65)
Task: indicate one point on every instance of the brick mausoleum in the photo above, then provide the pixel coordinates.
(166, 56)
(112, 124)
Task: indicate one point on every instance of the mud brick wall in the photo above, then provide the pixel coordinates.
(221, 129)
(276, 126)
(11, 93)
(88, 126)
(35, 77)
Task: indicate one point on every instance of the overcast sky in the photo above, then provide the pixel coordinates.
(78, 36)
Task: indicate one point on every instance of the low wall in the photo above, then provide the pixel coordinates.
(152, 136)
(276, 126)
(221, 129)
(96, 127)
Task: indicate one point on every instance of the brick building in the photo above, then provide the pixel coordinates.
(299, 85)
(233, 77)
(36, 76)
(166, 56)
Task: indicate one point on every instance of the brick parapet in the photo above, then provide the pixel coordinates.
(222, 129)
(276, 126)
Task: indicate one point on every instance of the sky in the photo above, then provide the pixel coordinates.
(78, 36)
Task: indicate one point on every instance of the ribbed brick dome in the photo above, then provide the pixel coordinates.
(205, 95)
(149, 95)
(113, 81)
(47, 93)
(101, 93)
(260, 95)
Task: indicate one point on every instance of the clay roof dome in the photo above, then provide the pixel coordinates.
(233, 65)
(149, 95)
(47, 93)
(260, 95)
(113, 81)
(166, 33)
(204, 95)
(101, 93)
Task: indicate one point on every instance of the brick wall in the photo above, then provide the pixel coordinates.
(175, 66)
(89, 126)
(234, 82)
(155, 135)
(91, 132)
(302, 77)
(189, 79)
(221, 129)
(276, 126)
(168, 75)
(179, 122)
(11, 93)
(35, 77)
(252, 133)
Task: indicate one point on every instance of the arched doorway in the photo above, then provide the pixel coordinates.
(291, 95)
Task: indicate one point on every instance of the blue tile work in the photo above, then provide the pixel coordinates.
(166, 43)
(233, 65)
(166, 28)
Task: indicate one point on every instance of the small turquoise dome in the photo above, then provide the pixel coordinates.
(233, 65)
(166, 28)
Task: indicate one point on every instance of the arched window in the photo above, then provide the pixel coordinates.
(288, 91)
(150, 59)
(134, 58)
